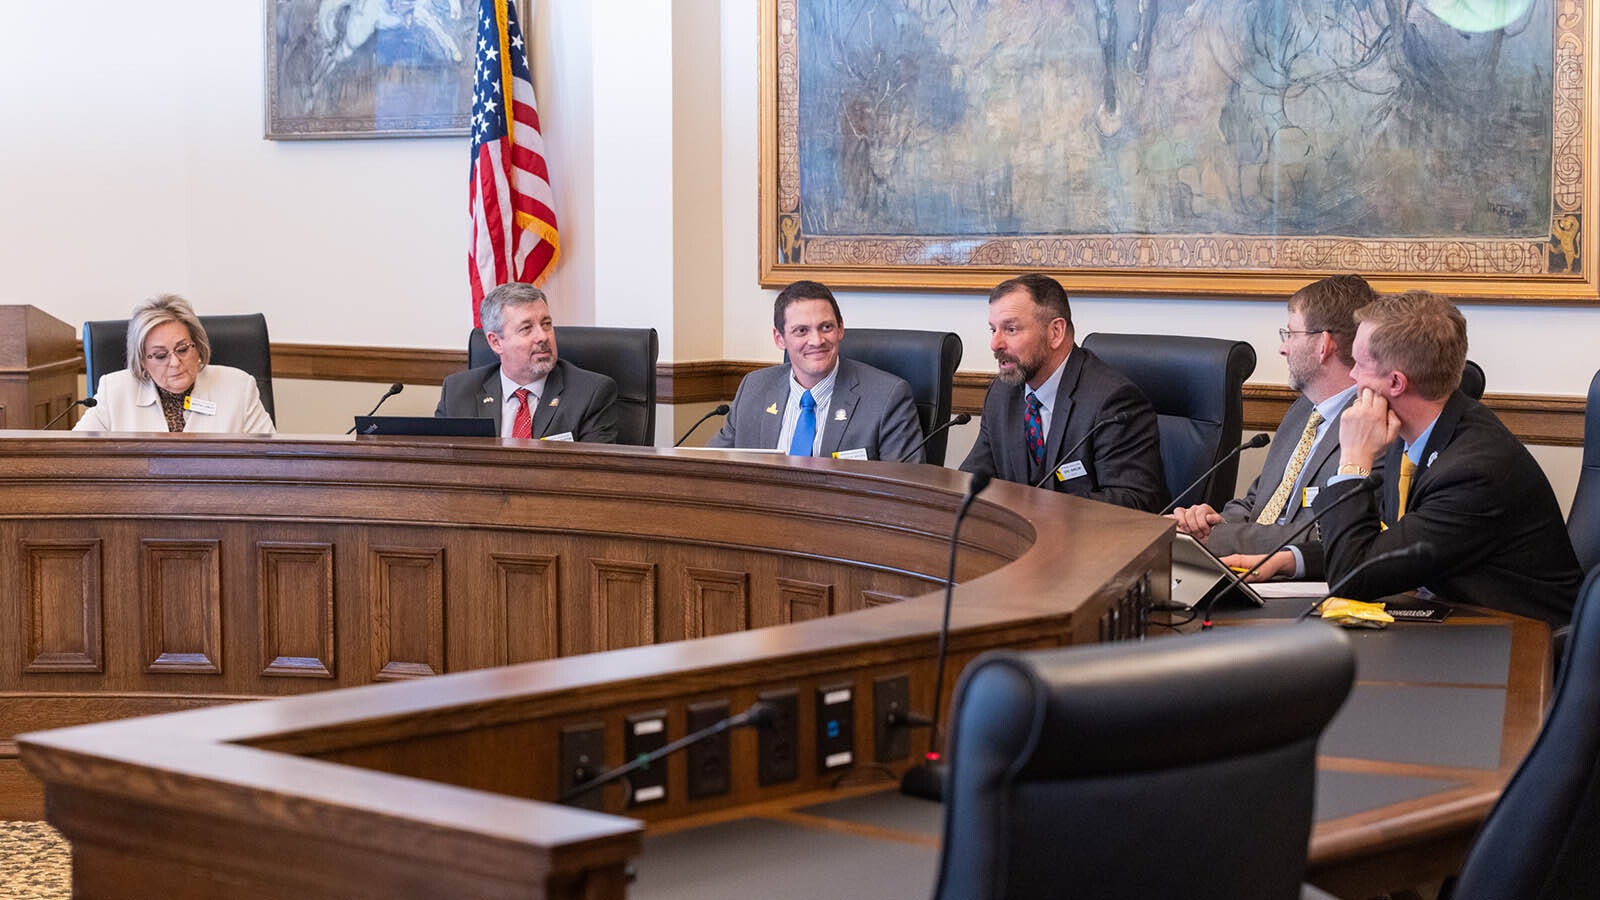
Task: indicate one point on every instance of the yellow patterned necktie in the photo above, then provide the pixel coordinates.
(1302, 452)
(1407, 467)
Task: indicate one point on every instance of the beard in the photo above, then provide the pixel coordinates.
(1021, 371)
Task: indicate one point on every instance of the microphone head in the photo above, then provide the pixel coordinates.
(1260, 440)
(980, 480)
(962, 419)
(89, 403)
(1120, 418)
(761, 714)
(1371, 482)
(722, 409)
(395, 388)
(1422, 550)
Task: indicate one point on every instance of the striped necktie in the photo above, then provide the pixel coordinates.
(522, 422)
(1291, 474)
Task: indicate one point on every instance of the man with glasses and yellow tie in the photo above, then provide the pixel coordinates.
(1462, 482)
(1316, 347)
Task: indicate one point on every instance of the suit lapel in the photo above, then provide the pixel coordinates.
(1444, 431)
(1062, 413)
(1326, 446)
(845, 397)
(549, 402)
(1010, 433)
(772, 422)
(489, 401)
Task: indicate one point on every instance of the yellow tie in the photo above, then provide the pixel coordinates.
(1302, 452)
(1406, 468)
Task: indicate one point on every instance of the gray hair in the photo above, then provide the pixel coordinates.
(152, 314)
(492, 311)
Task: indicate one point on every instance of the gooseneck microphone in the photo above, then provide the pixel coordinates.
(960, 419)
(395, 388)
(1260, 440)
(759, 715)
(1422, 550)
(926, 780)
(1117, 419)
(1366, 486)
(721, 410)
(86, 403)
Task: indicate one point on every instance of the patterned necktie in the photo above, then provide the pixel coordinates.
(1302, 452)
(805, 428)
(1407, 467)
(522, 423)
(1035, 426)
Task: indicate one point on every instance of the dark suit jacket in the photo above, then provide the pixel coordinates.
(574, 400)
(1122, 462)
(1483, 503)
(879, 415)
(1239, 532)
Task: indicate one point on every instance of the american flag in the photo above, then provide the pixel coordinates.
(511, 204)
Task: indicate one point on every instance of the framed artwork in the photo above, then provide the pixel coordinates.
(1199, 147)
(368, 68)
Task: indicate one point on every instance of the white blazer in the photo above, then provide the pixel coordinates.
(126, 404)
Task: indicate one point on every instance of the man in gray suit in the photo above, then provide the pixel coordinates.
(820, 404)
(1056, 416)
(1317, 346)
(541, 396)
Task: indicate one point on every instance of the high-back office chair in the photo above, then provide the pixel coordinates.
(237, 341)
(927, 360)
(1472, 381)
(1176, 768)
(1197, 388)
(625, 355)
(1583, 521)
(1539, 841)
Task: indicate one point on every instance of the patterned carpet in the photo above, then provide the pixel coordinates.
(35, 863)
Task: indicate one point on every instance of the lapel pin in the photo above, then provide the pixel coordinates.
(772, 410)
(1431, 457)
(488, 400)
(839, 415)
(555, 401)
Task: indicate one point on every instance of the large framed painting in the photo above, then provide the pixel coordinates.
(368, 68)
(1193, 147)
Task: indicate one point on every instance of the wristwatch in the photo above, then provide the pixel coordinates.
(1353, 469)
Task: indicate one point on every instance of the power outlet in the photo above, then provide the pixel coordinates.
(710, 774)
(777, 748)
(836, 727)
(891, 702)
(583, 754)
(646, 732)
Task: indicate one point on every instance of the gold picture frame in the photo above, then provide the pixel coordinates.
(861, 145)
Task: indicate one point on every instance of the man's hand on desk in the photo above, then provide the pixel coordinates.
(1281, 564)
(1196, 521)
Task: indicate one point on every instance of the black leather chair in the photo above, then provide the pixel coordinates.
(237, 341)
(1472, 380)
(625, 355)
(1583, 520)
(1539, 841)
(1197, 387)
(927, 360)
(1174, 768)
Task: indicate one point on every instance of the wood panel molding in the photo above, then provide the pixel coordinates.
(182, 606)
(799, 600)
(62, 607)
(297, 609)
(716, 602)
(527, 606)
(622, 599)
(407, 612)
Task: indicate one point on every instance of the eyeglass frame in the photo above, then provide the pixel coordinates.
(1285, 333)
(182, 351)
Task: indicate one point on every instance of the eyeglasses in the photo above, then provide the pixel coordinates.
(1284, 333)
(181, 351)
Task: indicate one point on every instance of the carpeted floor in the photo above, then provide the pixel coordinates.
(35, 863)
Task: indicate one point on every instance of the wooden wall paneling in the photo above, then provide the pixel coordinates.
(527, 591)
(871, 597)
(716, 601)
(297, 602)
(623, 598)
(182, 605)
(408, 612)
(799, 600)
(62, 626)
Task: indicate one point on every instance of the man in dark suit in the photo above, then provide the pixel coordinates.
(1316, 346)
(820, 404)
(530, 393)
(1048, 417)
(1456, 478)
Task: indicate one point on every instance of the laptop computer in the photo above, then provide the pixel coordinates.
(425, 426)
(1198, 575)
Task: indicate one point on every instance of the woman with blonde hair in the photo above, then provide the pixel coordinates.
(169, 384)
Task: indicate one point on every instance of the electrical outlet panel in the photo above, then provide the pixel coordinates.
(836, 727)
(710, 773)
(777, 748)
(646, 732)
(891, 701)
(583, 758)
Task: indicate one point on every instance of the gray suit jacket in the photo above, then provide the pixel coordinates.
(1122, 463)
(870, 410)
(1239, 533)
(574, 400)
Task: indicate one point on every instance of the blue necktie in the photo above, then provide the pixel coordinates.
(1033, 421)
(805, 428)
